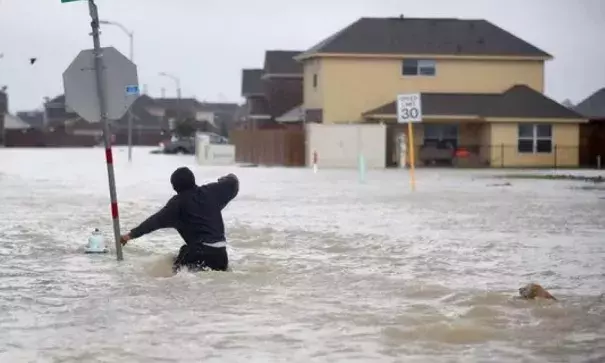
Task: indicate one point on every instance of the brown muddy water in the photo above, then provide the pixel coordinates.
(325, 269)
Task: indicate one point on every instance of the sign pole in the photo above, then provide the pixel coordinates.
(98, 65)
(412, 155)
(409, 110)
(130, 115)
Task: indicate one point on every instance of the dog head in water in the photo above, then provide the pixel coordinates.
(533, 291)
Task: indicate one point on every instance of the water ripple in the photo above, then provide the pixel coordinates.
(324, 269)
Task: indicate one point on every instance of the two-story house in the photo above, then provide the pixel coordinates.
(256, 106)
(274, 93)
(481, 87)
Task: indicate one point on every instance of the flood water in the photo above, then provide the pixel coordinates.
(325, 269)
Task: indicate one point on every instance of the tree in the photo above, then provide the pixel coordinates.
(185, 128)
(567, 103)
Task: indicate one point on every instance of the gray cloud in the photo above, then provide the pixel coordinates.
(206, 43)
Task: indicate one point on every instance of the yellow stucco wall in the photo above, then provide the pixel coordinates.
(313, 96)
(350, 86)
(566, 138)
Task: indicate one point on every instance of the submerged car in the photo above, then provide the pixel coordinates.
(186, 145)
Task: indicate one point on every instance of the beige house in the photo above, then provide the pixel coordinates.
(481, 87)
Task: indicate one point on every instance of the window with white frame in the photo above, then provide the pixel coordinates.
(534, 138)
(418, 67)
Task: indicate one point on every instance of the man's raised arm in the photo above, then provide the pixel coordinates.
(225, 189)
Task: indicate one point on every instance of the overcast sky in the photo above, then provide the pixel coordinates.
(207, 42)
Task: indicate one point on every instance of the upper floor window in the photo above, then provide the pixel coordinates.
(418, 67)
(534, 138)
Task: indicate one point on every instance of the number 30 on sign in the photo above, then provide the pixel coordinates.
(409, 108)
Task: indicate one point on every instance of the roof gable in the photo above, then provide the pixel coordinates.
(425, 36)
(251, 82)
(524, 102)
(593, 106)
(216, 107)
(12, 122)
(177, 103)
(282, 62)
(519, 101)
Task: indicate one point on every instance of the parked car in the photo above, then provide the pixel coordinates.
(183, 145)
(186, 145)
(437, 153)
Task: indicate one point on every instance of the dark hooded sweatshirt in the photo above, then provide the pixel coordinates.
(195, 211)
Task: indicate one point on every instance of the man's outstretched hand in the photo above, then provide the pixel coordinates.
(228, 176)
(124, 239)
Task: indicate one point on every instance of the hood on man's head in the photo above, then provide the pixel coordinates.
(182, 179)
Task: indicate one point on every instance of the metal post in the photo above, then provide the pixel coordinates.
(412, 155)
(98, 64)
(177, 82)
(129, 136)
(131, 56)
(131, 36)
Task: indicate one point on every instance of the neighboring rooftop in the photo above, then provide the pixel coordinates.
(142, 118)
(177, 103)
(218, 107)
(33, 118)
(593, 107)
(282, 62)
(425, 36)
(518, 101)
(251, 82)
(12, 122)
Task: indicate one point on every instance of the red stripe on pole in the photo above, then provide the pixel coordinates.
(108, 156)
(114, 210)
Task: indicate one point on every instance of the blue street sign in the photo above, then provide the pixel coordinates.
(132, 90)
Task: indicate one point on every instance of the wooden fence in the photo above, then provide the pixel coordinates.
(281, 147)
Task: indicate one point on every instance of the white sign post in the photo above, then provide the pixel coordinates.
(409, 110)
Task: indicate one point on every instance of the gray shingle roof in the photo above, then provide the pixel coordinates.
(282, 62)
(251, 82)
(594, 106)
(33, 118)
(425, 36)
(176, 103)
(12, 122)
(518, 101)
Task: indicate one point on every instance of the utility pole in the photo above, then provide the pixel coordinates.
(131, 56)
(177, 82)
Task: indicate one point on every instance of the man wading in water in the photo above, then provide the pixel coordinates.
(195, 212)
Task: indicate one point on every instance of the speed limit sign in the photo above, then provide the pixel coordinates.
(409, 108)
